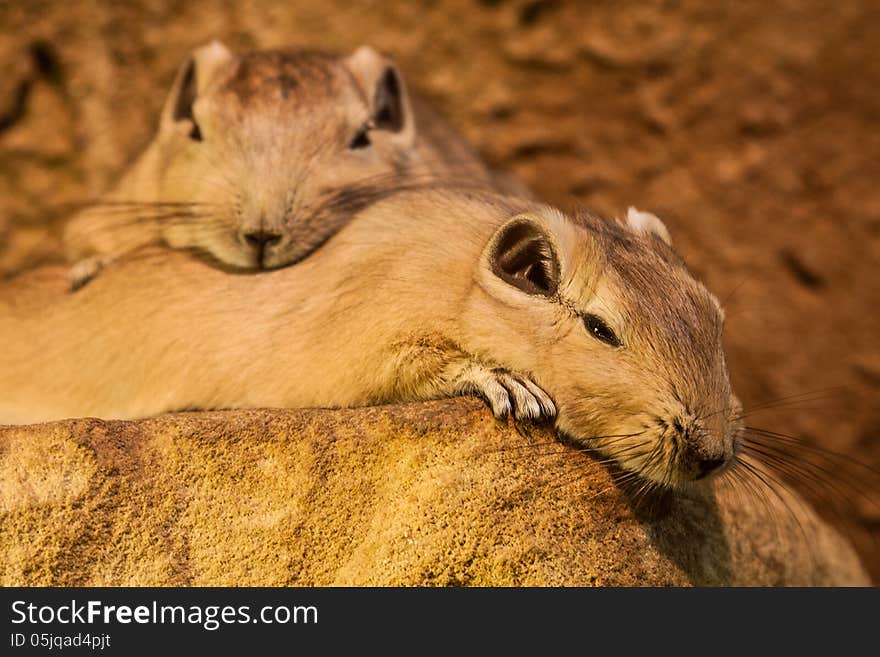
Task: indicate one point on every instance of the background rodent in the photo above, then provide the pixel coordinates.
(521, 300)
(260, 157)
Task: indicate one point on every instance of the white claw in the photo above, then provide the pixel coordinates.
(548, 408)
(498, 398)
(510, 394)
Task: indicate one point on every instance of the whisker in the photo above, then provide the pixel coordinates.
(814, 449)
(774, 485)
(750, 480)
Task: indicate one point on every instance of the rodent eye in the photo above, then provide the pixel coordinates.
(361, 139)
(600, 330)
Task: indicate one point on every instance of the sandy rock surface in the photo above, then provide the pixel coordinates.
(424, 494)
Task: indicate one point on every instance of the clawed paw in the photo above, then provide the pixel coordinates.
(510, 394)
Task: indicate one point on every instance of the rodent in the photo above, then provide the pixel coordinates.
(259, 157)
(426, 293)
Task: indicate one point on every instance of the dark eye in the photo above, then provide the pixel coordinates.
(361, 139)
(600, 330)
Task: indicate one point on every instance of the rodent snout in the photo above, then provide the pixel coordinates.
(682, 448)
(260, 241)
(705, 467)
(705, 450)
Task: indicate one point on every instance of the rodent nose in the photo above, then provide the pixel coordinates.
(708, 466)
(261, 239)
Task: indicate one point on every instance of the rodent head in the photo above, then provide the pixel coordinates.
(276, 149)
(606, 318)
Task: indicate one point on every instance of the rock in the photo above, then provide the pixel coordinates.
(425, 494)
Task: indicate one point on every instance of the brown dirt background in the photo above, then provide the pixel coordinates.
(752, 128)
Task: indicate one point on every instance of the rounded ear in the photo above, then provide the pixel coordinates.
(386, 93)
(523, 253)
(201, 68)
(647, 223)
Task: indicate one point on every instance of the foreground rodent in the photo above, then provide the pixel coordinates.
(260, 157)
(425, 294)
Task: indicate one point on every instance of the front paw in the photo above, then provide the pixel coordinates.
(85, 270)
(508, 393)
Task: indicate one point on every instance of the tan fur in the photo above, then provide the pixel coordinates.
(405, 303)
(272, 154)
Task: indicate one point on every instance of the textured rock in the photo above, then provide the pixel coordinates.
(425, 494)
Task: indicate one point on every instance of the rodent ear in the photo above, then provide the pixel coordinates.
(523, 254)
(383, 85)
(198, 71)
(645, 222)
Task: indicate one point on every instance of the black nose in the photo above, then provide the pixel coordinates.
(708, 466)
(261, 239)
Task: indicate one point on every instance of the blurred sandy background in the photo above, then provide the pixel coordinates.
(752, 129)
